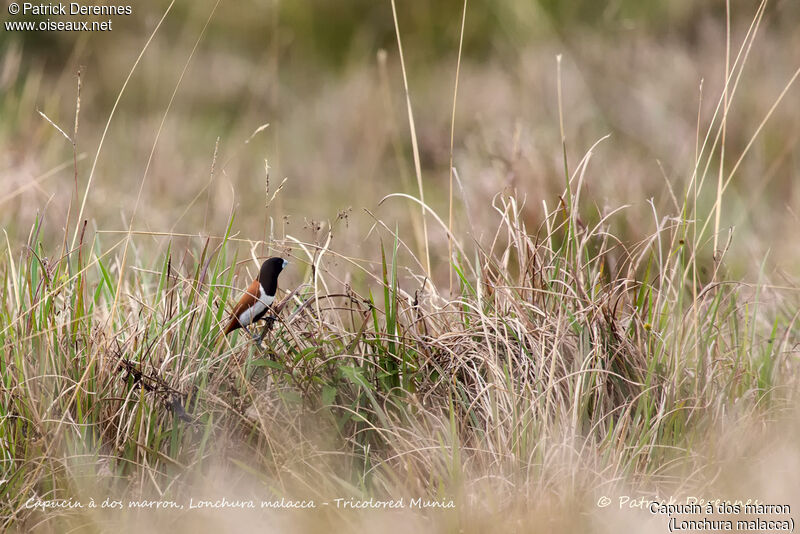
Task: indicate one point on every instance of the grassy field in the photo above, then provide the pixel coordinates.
(543, 267)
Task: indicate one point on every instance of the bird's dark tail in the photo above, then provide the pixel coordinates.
(232, 325)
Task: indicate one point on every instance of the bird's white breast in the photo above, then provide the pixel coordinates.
(264, 301)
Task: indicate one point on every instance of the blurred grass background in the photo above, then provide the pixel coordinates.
(338, 129)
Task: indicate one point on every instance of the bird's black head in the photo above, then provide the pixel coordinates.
(268, 276)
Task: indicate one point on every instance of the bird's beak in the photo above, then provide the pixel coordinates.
(285, 263)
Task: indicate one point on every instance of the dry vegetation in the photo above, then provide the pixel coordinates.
(595, 316)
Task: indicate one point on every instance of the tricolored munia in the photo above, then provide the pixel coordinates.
(258, 297)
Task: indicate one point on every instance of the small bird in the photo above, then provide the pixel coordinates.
(258, 298)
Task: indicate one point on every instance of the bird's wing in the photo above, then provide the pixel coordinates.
(248, 298)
